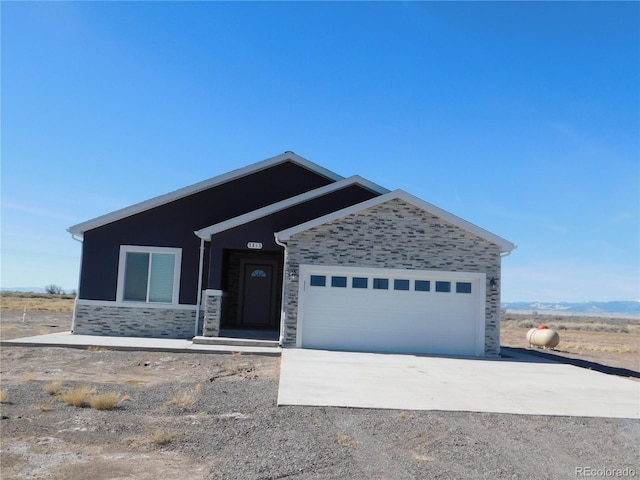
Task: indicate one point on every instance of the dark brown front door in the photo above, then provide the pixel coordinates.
(257, 294)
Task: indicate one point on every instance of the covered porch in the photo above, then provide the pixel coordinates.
(246, 307)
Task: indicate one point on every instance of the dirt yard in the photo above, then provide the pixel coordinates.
(213, 416)
(613, 342)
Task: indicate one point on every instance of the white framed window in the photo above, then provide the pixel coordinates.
(149, 274)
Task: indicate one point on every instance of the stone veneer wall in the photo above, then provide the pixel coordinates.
(395, 234)
(124, 321)
(214, 302)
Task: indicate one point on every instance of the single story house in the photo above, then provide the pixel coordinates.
(289, 247)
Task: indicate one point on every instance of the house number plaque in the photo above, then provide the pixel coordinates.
(254, 245)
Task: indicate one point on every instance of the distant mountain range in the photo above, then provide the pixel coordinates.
(620, 307)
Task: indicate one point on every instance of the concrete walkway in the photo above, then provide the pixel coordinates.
(527, 385)
(67, 339)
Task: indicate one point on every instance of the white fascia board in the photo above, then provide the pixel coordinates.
(80, 228)
(505, 245)
(206, 233)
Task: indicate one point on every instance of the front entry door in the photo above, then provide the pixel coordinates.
(256, 305)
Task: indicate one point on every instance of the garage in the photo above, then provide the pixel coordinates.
(391, 310)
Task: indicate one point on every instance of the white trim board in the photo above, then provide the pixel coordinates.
(505, 245)
(206, 233)
(80, 228)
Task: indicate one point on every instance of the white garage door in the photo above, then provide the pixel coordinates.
(384, 310)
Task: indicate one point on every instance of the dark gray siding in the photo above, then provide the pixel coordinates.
(262, 230)
(173, 224)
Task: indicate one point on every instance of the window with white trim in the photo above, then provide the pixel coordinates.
(149, 274)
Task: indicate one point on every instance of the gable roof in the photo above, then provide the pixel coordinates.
(505, 245)
(80, 228)
(206, 233)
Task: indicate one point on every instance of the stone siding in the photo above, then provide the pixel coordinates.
(214, 302)
(125, 321)
(395, 234)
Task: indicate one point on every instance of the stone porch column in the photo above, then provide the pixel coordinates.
(212, 300)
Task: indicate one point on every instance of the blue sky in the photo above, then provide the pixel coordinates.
(523, 118)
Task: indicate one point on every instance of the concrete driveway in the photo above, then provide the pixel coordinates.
(527, 385)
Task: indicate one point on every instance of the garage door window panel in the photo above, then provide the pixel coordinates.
(340, 282)
(463, 287)
(318, 281)
(359, 282)
(422, 286)
(381, 284)
(443, 287)
(400, 284)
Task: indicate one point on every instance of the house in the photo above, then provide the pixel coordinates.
(288, 247)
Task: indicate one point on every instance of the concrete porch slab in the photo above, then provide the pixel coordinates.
(235, 341)
(527, 386)
(67, 339)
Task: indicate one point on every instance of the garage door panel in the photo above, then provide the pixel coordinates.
(411, 338)
(390, 342)
(390, 320)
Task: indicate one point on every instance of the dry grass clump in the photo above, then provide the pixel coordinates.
(403, 416)
(160, 436)
(347, 441)
(3, 396)
(421, 458)
(45, 407)
(104, 401)
(78, 397)
(53, 388)
(135, 382)
(185, 399)
(87, 397)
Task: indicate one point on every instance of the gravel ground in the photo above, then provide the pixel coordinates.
(229, 427)
(234, 430)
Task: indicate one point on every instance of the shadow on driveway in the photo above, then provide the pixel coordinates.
(576, 362)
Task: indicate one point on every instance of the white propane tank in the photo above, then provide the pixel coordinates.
(543, 337)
